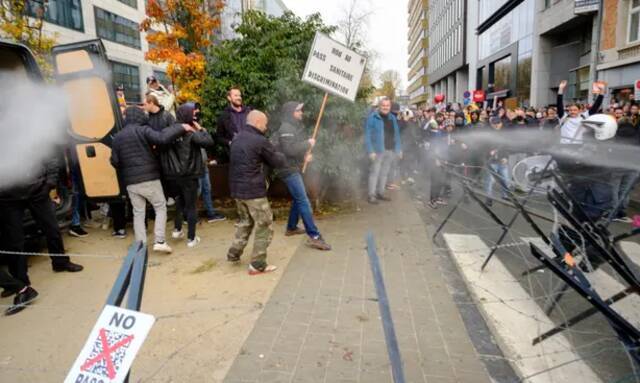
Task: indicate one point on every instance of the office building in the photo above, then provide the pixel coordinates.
(233, 10)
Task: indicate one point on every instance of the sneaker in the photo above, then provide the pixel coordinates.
(372, 200)
(27, 296)
(383, 198)
(193, 242)
(442, 201)
(233, 258)
(77, 231)
(318, 243)
(177, 234)
(217, 217)
(432, 204)
(121, 234)
(162, 247)
(623, 219)
(267, 269)
(171, 201)
(296, 231)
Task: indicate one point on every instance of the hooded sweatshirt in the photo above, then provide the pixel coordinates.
(183, 158)
(293, 140)
(131, 152)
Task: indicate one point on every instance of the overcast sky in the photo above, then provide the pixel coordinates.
(386, 32)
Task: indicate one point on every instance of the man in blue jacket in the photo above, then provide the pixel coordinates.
(382, 140)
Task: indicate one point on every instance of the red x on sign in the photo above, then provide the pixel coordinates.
(105, 355)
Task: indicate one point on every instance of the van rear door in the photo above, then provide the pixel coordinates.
(84, 73)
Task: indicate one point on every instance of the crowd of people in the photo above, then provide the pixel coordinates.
(161, 157)
(473, 140)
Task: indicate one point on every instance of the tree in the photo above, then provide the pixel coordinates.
(391, 82)
(352, 27)
(22, 21)
(187, 32)
(267, 63)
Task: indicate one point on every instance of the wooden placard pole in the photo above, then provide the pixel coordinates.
(315, 131)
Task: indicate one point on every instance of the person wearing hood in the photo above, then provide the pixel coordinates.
(138, 169)
(383, 144)
(232, 120)
(250, 152)
(182, 164)
(293, 142)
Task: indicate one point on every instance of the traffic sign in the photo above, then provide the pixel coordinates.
(111, 347)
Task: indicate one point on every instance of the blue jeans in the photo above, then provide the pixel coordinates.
(76, 197)
(503, 171)
(205, 192)
(300, 207)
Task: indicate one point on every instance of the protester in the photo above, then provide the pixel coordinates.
(436, 138)
(250, 152)
(571, 130)
(551, 122)
(295, 144)
(383, 144)
(623, 180)
(166, 98)
(497, 161)
(159, 118)
(232, 120)
(182, 164)
(139, 171)
(75, 229)
(35, 195)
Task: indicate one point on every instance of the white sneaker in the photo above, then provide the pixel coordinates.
(177, 234)
(171, 201)
(162, 247)
(193, 243)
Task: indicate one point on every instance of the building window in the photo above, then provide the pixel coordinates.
(65, 13)
(116, 28)
(129, 77)
(162, 77)
(131, 3)
(634, 21)
(502, 74)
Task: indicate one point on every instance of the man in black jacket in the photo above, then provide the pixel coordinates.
(182, 164)
(232, 120)
(159, 118)
(139, 171)
(33, 194)
(295, 145)
(250, 151)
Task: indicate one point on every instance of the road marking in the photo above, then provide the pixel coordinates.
(514, 318)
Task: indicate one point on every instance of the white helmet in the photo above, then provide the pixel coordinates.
(604, 126)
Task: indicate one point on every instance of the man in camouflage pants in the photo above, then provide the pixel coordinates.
(250, 151)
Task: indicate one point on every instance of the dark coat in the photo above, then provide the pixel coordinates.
(40, 181)
(226, 129)
(131, 152)
(182, 158)
(161, 120)
(250, 152)
(293, 141)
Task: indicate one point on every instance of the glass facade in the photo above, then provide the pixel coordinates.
(129, 77)
(517, 26)
(487, 8)
(65, 13)
(116, 28)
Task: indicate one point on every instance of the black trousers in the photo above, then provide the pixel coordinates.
(8, 282)
(11, 224)
(118, 214)
(187, 189)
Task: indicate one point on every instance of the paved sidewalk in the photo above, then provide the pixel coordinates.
(322, 323)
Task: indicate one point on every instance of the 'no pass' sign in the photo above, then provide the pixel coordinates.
(112, 346)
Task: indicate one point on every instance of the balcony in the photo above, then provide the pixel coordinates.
(583, 7)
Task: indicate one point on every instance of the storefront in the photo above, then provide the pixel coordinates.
(505, 50)
(620, 81)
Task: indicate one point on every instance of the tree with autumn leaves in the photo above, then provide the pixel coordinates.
(179, 33)
(22, 21)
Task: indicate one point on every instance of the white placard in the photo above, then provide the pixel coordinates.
(334, 68)
(111, 347)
